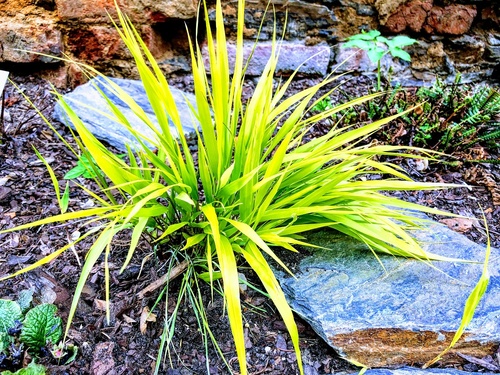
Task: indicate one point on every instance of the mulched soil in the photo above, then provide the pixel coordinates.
(118, 347)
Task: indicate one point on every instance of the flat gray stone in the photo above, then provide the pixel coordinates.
(403, 314)
(309, 60)
(355, 59)
(418, 371)
(89, 104)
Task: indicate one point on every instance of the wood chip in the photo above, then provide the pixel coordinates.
(100, 304)
(176, 271)
(128, 319)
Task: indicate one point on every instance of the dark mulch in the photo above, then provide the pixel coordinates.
(26, 194)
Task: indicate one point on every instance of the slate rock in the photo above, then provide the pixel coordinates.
(348, 59)
(418, 371)
(395, 311)
(89, 105)
(307, 60)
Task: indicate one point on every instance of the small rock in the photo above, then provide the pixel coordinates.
(410, 16)
(280, 342)
(103, 361)
(458, 224)
(20, 38)
(309, 370)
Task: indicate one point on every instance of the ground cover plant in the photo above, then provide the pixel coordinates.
(467, 116)
(452, 118)
(35, 330)
(254, 189)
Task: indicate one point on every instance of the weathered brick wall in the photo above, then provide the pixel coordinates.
(454, 36)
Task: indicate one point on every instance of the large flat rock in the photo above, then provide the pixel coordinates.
(417, 371)
(308, 60)
(89, 105)
(395, 311)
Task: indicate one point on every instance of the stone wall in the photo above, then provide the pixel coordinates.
(454, 36)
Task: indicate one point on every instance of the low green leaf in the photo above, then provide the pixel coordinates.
(32, 369)
(5, 341)
(370, 35)
(65, 199)
(25, 298)
(381, 39)
(358, 43)
(402, 41)
(40, 326)
(398, 52)
(376, 54)
(10, 311)
(75, 172)
(72, 350)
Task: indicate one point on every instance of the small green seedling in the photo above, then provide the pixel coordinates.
(323, 105)
(37, 330)
(377, 46)
(84, 167)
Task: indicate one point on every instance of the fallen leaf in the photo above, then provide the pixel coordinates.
(146, 316)
(128, 319)
(100, 304)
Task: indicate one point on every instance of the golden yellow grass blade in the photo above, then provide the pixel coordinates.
(134, 240)
(229, 272)
(93, 254)
(100, 211)
(53, 178)
(47, 259)
(255, 238)
(261, 267)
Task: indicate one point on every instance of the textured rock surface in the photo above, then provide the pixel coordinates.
(102, 42)
(97, 10)
(18, 35)
(88, 103)
(82, 29)
(452, 19)
(405, 313)
(312, 60)
(409, 17)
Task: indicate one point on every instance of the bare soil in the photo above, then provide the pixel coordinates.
(119, 347)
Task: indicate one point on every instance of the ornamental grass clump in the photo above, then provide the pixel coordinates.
(252, 192)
